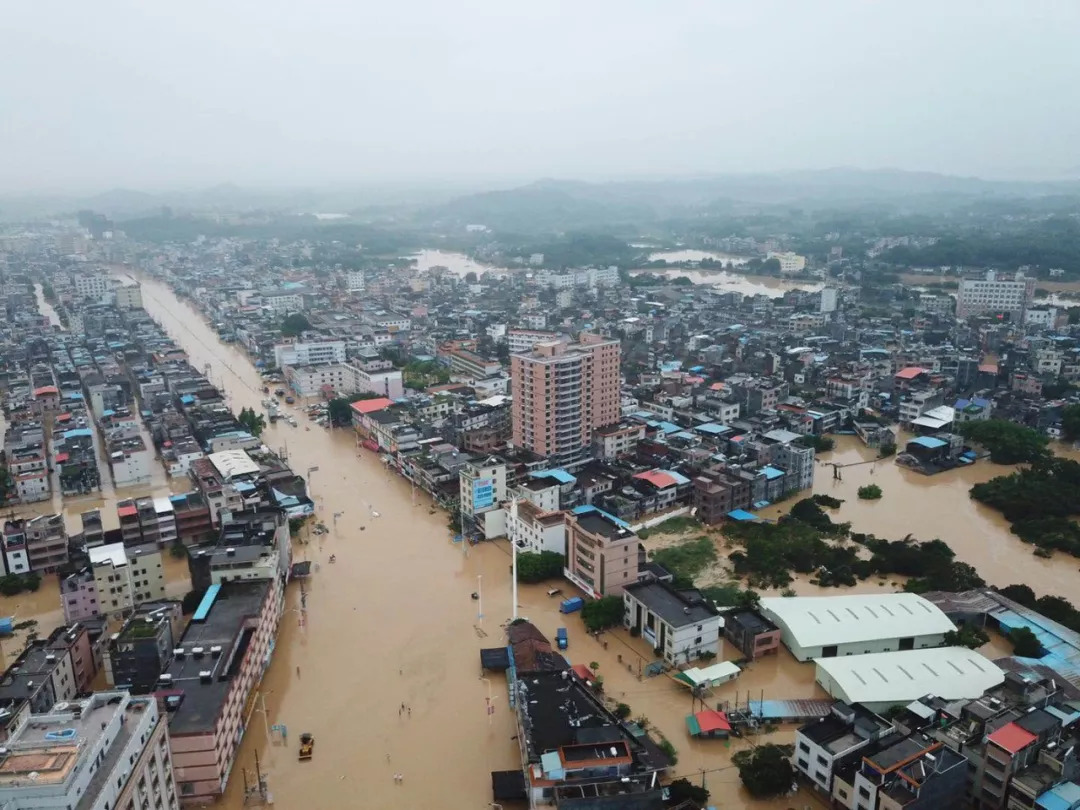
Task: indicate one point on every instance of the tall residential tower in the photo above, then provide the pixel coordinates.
(562, 392)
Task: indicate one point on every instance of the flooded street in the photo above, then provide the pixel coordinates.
(392, 621)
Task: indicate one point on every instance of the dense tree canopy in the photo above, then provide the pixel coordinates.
(294, 325)
(1008, 442)
(765, 770)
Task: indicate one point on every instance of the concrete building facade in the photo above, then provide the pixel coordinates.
(562, 393)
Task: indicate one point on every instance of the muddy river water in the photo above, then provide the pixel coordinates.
(392, 622)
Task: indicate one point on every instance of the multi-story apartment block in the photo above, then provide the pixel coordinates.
(46, 543)
(354, 281)
(108, 751)
(601, 552)
(534, 529)
(562, 393)
(616, 440)
(991, 294)
(216, 665)
(126, 576)
(684, 625)
(522, 340)
(309, 353)
(91, 285)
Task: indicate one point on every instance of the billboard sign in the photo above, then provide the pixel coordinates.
(483, 493)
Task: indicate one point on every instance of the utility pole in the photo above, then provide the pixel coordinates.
(479, 598)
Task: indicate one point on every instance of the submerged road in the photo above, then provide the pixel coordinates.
(391, 622)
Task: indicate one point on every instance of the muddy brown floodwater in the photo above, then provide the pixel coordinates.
(392, 622)
(939, 506)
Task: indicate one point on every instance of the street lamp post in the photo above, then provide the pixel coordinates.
(479, 598)
(336, 516)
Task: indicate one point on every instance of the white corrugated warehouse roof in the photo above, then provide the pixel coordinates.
(951, 673)
(818, 621)
(231, 463)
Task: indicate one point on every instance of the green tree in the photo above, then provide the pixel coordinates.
(1008, 442)
(339, 411)
(622, 711)
(1025, 643)
(600, 614)
(1070, 417)
(191, 600)
(294, 325)
(32, 581)
(11, 585)
(765, 771)
(968, 635)
(7, 485)
(178, 550)
(821, 444)
(1019, 593)
(870, 492)
(683, 790)
(251, 421)
(532, 567)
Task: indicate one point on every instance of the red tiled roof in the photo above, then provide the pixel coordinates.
(62, 457)
(910, 373)
(126, 511)
(1012, 738)
(658, 478)
(371, 405)
(712, 720)
(46, 389)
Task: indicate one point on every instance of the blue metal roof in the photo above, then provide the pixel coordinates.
(71, 434)
(1065, 796)
(741, 514)
(929, 442)
(562, 476)
(772, 473)
(203, 610)
(713, 428)
(669, 427)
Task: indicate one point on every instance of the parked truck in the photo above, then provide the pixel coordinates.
(572, 605)
(561, 639)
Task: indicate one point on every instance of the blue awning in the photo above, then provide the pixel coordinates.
(741, 515)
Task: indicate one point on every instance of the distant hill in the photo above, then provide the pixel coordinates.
(566, 204)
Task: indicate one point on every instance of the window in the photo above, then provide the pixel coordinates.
(804, 748)
(822, 761)
(864, 793)
(803, 764)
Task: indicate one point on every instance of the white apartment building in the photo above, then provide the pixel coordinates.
(91, 285)
(522, 340)
(126, 577)
(129, 297)
(354, 281)
(131, 463)
(683, 624)
(310, 381)
(482, 485)
(283, 302)
(108, 751)
(789, 262)
(990, 294)
(309, 353)
(584, 277)
(828, 299)
(32, 486)
(387, 383)
(1040, 316)
(535, 530)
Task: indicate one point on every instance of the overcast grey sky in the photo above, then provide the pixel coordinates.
(153, 95)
